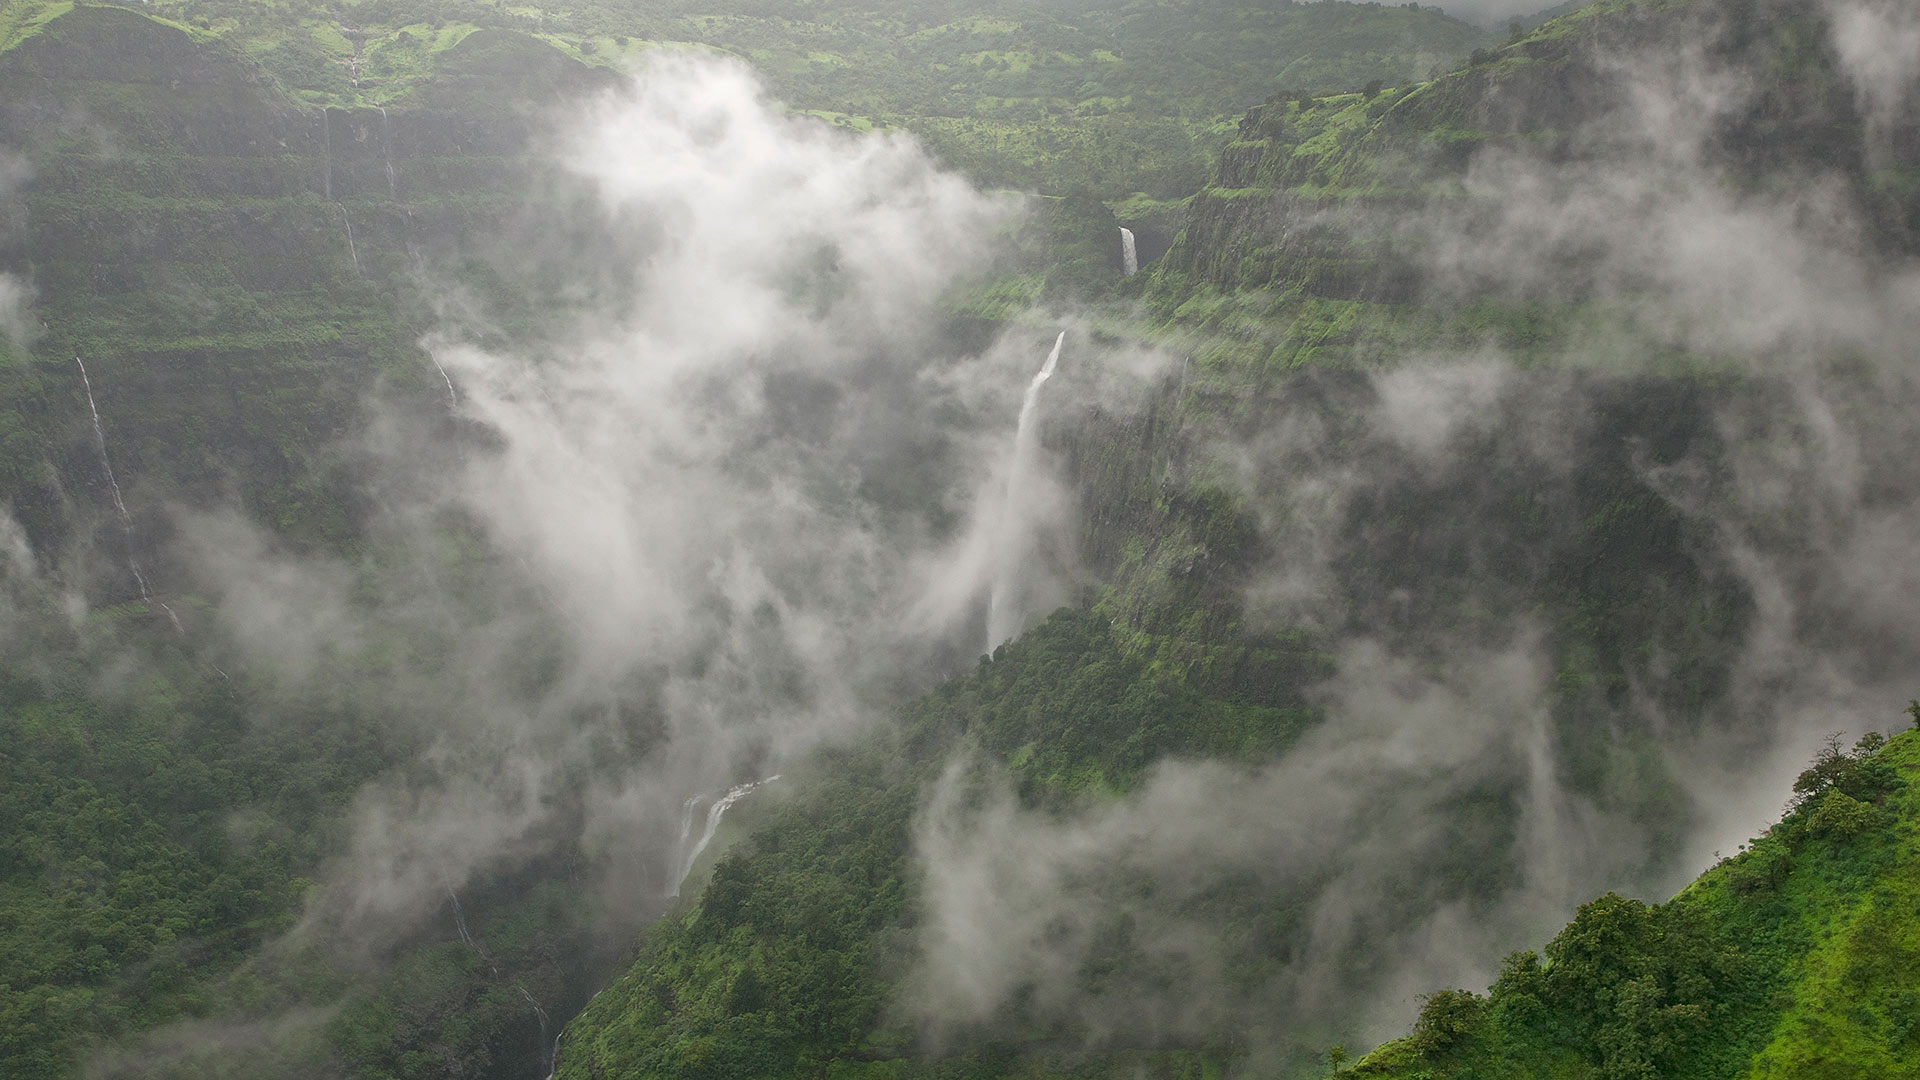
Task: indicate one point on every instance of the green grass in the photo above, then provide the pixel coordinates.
(22, 19)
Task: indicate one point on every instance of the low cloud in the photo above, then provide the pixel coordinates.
(722, 506)
(17, 321)
(1713, 464)
(1117, 921)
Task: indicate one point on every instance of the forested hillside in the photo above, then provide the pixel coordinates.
(1482, 380)
(1793, 957)
(1128, 102)
(235, 571)
(514, 518)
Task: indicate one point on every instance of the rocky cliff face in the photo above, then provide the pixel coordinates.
(236, 270)
(1345, 210)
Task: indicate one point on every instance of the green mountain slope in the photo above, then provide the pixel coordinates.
(237, 270)
(1795, 957)
(229, 216)
(1331, 227)
(1327, 253)
(187, 226)
(791, 960)
(1115, 99)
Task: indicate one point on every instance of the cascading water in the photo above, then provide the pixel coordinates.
(1003, 614)
(352, 250)
(714, 814)
(326, 157)
(100, 439)
(119, 503)
(413, 250)
(1129, 255)
(466, 936)
(453, 399)
(473, 946)
(686, 822)
(546, 1022)
(386, 155)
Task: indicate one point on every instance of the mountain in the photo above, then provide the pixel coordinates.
(1361, 212)
(222, 246)
(1790, 958)
(487, 472)
(1475, 541)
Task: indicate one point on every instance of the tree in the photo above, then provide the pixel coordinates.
(1448, 1018)
(1841, 815)
(1862, 775)
(1765, 866)
(1829, 764)
(1372, 89)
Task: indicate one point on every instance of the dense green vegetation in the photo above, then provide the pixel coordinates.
(156, 837)
(1737, 976)
(1114, 99)
(1371, 279)
(1792, 955)
(235, 257)
(787, 964)
(1795, 957)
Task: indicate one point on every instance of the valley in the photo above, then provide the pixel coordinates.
(1025, 541)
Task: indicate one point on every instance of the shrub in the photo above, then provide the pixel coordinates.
(1448, 1019)
(1842, 815)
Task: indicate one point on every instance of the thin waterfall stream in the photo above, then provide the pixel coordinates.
(690, 856)
(326, 156)
(386, 154)
(119, 502)
(352, 250)
(473, 946)
(1003, 613)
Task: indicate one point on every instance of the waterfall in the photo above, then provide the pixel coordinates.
(119, 503)
(453, 399)
(386, 154)
(326, 157)
(1129, 255)
(686, 822)
(473, 946)
(553, 1055)
(714, 814)
(352, 251)
(100, 439)
(1003, 614)
(546, 1023)
(466, 937)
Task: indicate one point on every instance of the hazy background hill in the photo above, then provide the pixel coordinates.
(1128, 102)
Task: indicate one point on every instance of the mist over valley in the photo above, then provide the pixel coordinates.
(1027, 541)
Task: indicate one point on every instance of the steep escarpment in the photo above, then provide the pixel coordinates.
(241, 275)
(1794, 956)
(1521, 481)
(1368, 674)
(237, 271)
(1333, 227)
